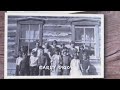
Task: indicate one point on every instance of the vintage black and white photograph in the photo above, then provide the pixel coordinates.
(54, 45)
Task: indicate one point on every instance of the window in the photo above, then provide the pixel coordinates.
(29, 34)
(79, 34)
(85, 35)
(86, 32)
(29, 31)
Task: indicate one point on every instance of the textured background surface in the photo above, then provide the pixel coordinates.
(112, 43)
(1, 44)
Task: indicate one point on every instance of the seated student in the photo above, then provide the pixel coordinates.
(42, 62)
(66, 62)
(56, 62)
(75, 66)
(85, 63)
(34, 63)
(18, 61)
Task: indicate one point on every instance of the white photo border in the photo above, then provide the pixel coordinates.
(52, 14)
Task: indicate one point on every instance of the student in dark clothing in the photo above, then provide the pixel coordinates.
(72, 49)
(42, 62)
(85, 63)
(18, 61)
(24, 65)
(47, 71)
(66, 62)
(92, 70)
(47, 49)
(62, 47)
(80, 53)
(54, 48)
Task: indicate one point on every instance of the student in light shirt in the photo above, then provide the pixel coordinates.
(18, 61)
(75, 66)
(56, 62)
(34, 64)
(37, 49)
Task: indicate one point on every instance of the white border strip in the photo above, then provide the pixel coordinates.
(46, 12)
(53, 14)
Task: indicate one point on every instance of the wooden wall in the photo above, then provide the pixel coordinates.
(51, 31)
(55, 28)
(112, 43)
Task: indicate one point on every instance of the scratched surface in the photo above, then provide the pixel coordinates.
(112, 44)
(1, 44)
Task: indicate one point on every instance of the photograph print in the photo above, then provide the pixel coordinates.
(54, 45)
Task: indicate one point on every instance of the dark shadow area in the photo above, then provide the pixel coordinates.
(92, 70)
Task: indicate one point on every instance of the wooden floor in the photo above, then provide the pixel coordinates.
(112, 44)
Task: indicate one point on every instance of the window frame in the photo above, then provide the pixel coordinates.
(84, 27)
(84, 41)
(88, 23)
(28, 21)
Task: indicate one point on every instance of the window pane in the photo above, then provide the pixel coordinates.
(89, 34)
(32, 45)
(79, 34)
(34, 32)
(27, 35)
(24, 31)
(23, 42)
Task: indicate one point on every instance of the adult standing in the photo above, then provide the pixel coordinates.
(75, 66)
(24, 65)
(72, 49)
(80, 53)
(33, 64)
(47, 50)
(54, 48)
(85, 63)
(37, 49)
(18, 61)
(42, 62)
(66, 62)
